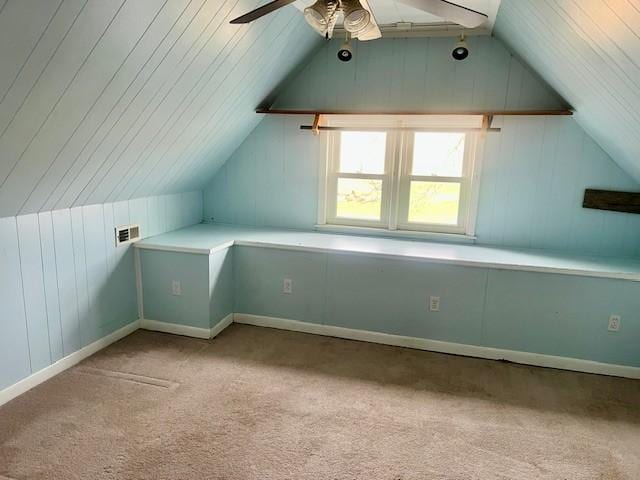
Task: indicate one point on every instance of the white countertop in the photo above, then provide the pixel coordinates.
(209, 238)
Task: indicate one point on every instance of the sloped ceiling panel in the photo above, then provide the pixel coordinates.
(589, 51)
(105, 100)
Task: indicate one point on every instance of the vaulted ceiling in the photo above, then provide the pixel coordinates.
(105, 100)
(589, 52)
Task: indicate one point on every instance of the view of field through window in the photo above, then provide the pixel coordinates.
(430, 202)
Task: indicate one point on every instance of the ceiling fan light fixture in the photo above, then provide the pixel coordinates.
(356, 17)
(321, 15)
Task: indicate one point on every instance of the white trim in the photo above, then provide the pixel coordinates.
(397, 178)
(383, 232)
(580, 272)
(171, 248)
(137, 264)
(64, 363)
(448, 261)
(186, 330)
(174, 328)
(220, 326)
(475, 179)
(526, 358)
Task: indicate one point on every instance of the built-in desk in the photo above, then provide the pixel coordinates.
(210, 238)
(528, 306)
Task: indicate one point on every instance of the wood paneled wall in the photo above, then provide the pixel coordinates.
(534, 173)
(64, 283)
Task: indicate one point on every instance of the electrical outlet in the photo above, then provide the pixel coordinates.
(287, 286)
(434, 304)
(614, 323)
(176, 288)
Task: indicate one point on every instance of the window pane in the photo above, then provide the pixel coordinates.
(359, 198)
(362, 152)
(438, 154)
(434, 202)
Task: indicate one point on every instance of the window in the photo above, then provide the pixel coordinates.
(414, 174)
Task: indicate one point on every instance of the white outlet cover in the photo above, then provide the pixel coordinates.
(434, 304)
(287, 286)
(176, 288)
(614, 323)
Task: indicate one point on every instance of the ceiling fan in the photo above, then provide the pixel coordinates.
(358, 18)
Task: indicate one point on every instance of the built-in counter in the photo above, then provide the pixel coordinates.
(530, 306)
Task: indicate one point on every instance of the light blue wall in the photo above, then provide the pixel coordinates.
(524, 311)
(64, 283)
(221, 292)
(159, 269)
(206, 283)
(417, 74)
(533, 180)
(534, 171)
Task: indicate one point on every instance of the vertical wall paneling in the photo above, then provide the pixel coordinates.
(14, 341)
(51, 287)
(66, 272)
(96, 267)
(33, 291)
(63, 281)
(534, 171)
(81, 281)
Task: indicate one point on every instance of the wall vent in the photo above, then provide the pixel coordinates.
(127, 234)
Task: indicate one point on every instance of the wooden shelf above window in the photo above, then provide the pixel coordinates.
(488, 113)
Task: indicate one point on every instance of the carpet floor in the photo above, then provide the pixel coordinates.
(257, 403)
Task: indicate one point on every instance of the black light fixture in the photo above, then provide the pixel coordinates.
(460, 49)
(345, 54)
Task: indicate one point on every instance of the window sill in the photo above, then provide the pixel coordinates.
(408, 234)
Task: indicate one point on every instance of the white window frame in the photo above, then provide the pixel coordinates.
(395, 194)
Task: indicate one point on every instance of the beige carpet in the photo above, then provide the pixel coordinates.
(257, 403)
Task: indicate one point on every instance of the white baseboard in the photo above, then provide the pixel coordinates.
(176, 329)
(221, 325)
(527, 358)
(64, 363)
(185, 330)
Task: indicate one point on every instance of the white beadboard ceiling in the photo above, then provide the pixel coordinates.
(105, 100)
(589, 52)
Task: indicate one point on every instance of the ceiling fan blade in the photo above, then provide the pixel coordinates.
(262, 11)
(449, 11)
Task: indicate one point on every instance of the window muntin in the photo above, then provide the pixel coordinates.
(403, 179)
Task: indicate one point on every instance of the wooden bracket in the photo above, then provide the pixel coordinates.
(316, 124)
(487, 120)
